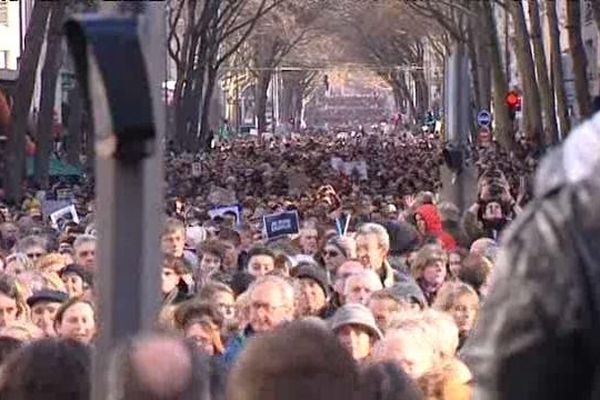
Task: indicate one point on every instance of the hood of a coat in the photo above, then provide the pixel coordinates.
(431, 216)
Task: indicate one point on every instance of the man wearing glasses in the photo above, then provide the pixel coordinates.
(271, 304)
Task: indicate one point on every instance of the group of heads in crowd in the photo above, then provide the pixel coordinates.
(395, 291)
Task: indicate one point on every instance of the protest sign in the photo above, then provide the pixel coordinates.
(223, 211)
(63, 216)
(281, 224)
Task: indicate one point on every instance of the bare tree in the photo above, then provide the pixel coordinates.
(557, 70)
(15, 159)
(533, 127)
(547, 96)
(203, 34)
(50, 70)
(275, 37)
(579, 58)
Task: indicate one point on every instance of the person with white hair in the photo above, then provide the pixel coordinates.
(84, 249)
(271, 304)
(408, 346)
(372, 249)
(360, 286)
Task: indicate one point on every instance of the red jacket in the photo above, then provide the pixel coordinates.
(433, 223)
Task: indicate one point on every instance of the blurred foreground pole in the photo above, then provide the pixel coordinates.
(458, 184)
(119, 53)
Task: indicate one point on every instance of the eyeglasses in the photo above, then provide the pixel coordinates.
(331, 254)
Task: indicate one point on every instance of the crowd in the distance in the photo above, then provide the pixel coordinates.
(373, 298)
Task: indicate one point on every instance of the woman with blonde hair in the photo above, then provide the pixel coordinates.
(12, 303)
(462, 302)
(52, 262)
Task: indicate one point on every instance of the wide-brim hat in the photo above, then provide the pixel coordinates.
(356, 314)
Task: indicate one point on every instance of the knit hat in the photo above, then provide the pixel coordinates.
(47, 295)
(318, 275)
(356, 314)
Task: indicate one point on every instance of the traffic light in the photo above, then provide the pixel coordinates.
(513, 102)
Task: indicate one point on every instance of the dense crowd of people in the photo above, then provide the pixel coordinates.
(374, 296)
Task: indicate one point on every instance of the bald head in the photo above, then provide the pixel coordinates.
(159, 368)
(162, 365)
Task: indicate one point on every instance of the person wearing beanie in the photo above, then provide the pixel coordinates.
(355, 327)
(314, 291)
(429, 223)
(44, 304)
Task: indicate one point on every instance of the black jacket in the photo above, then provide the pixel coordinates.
(538, 335)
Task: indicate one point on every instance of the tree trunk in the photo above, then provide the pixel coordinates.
(49, 80)
(262, 86)
(474, 66)
(541, 66)
(503, 130)
(75, 127)
(557, 70)
(211, 80)
(15, 160)
(579, 58)
(533, 127)
(484, 69)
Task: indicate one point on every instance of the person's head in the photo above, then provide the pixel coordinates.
(8, 345)
(9, 234)
(211, 254)
(52, 262)
(482, 247)
(231, 242)
(161, 367)
(201, 323)
(261, 261)
(221, 296)
(44, 305)
(84, 251)
(77, 279)
(355, 327)
(475, 272)
(12, 304)
(385, 306)
(335, 252)
(462, 302)
(314, 290)
(387, 381)
(173, 238)
(448, 381)
(300, 361)
(455, 259)
(47, 369)
(360, 286)
(441, 331)
(409, 347)
(17, 263)
(372, 245)
(271, 303)
(309, 238)
(430, 265)
(345, 270)
(76, 319)
(34, 247)
(173, 269)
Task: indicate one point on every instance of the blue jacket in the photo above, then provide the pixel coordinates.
(236, 345)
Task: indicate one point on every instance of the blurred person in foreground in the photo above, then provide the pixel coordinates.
(538, 335)
(296, 362)
(48, 369)
(163, 368)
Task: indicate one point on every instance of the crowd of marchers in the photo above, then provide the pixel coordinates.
(373, 296)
